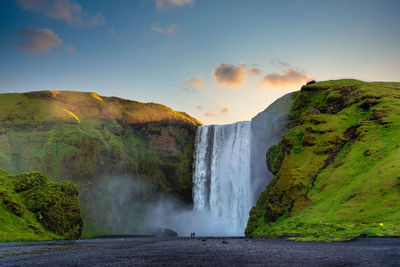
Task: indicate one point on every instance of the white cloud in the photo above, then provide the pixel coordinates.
(168, 30)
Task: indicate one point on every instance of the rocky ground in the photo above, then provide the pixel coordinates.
(201, 251)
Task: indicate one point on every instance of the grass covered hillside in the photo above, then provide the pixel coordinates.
(34, 208)
(337, 170)
(85, 137)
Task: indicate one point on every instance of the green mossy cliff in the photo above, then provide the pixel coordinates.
(34, 208)
(84, 137)
(337, 169)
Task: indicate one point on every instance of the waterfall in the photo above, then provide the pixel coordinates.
(230, 168)
(221, 180)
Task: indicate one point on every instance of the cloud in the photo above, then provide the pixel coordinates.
(233, 76)
(209, 114)
(169, 30)
(36, 40)
(277, 62)
(169, 3)
(225, 110)
(32, 5)
(289, 77)
(195, 81)
(187, 89)
(69, 48)
(40, 41)
(64, 10)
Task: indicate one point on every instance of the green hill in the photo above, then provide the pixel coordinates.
(34, 208)
(85, 138)
(337, 169)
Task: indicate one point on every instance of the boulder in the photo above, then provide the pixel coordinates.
(170, 233)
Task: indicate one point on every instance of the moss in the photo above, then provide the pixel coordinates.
(35, 208)
(341, 176)
(13, 206)
(274, 158)
(29, 180)
(57, 208)
(308, 140)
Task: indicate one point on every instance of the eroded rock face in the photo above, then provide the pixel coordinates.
(166, 140)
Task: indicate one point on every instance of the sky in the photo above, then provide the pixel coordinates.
(220, 61)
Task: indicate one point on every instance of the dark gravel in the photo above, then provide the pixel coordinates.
(201, 251)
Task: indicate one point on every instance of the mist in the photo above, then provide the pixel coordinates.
(185, 220)
(125, 205)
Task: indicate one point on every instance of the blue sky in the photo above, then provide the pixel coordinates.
(220, 61)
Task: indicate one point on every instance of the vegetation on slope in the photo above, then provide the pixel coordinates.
(337, 173)
(34, 208)
(85, 137)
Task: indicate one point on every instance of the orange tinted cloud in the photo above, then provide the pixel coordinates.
(289, 77)
(195, 81)
(225, 110)
(209, 114)
(233, 76)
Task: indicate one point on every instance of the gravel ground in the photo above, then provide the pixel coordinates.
(201, 252)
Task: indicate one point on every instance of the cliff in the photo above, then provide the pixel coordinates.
(87, 138)
(267, 129)
(34, 208)
(336, 170)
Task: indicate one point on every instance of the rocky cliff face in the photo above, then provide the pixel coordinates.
(267, 129)
(84, 137)
(336, 173)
